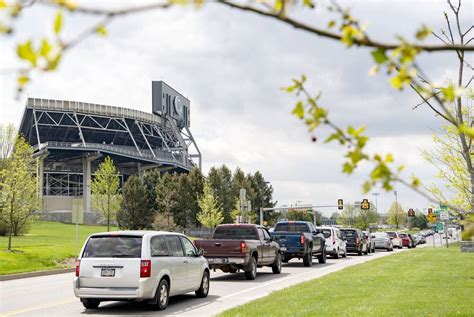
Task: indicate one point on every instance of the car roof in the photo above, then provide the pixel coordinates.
(133, 233)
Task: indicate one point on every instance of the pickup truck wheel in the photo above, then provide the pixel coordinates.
(251, 273)
(308, 259)
(276, 268)
(203, 290)
(322, 257)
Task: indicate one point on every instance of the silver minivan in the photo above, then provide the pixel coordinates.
(146, 266)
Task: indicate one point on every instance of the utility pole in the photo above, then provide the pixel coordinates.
(376, 206)
(396, 206)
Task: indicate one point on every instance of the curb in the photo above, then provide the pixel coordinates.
(9, 277)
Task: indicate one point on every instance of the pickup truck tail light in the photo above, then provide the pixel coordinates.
(78, 267)
(145, 268)
(357, 240)
(243, 248)
(302, 239)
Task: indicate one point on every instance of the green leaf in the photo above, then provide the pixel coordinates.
(299, 110)
(46, 48)
(25, 51)
(3, 4)
(449, 93)
(53, 63)
(58, 22)
(23, 80)
(379, 56)
(469, 131)
(101, 30)
(347, 168)
(423, 33)
(331, 24)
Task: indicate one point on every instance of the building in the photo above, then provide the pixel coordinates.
(71, 138)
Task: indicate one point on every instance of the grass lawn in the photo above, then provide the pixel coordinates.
(420, 282)
(46, 246)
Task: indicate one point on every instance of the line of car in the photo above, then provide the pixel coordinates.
(151, 266)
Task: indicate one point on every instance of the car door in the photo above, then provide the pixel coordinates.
(194, 265)
(178, 269)
(272, 246)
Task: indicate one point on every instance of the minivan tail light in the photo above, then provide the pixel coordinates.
(243, 248)
(145, 268)
(302, 239)
(78, 267)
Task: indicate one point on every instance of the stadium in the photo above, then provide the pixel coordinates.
(71, 138)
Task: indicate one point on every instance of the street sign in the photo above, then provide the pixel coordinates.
(431, 216)
(439, 226)
(365, 204)
(340, 204)
(444, 215)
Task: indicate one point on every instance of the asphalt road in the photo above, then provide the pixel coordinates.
(53, 296)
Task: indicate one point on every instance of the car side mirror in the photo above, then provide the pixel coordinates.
(200, 252)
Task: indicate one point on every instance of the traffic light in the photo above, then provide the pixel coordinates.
(365, 204)
(340, 204)
(411, 212)
(430, 210)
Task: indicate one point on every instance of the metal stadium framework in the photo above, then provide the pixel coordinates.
(71, 138)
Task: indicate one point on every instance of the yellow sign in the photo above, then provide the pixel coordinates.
(431, 217)
(365, 204)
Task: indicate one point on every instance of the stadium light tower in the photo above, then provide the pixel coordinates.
(376, 206)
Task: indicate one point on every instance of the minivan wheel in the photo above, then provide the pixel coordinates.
(162, 295)
(90, 303)
(251, 272)
(276, 267)
(203, 290)
(336, 254)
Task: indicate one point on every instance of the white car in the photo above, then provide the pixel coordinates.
(146, 266)
(335, 244)
(396, 240)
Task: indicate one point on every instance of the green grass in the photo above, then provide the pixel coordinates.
(48, 245)
(420, 282)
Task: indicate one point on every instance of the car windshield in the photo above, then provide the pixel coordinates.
(402, 235)
(291, 227)
(349, 233)
(235, 232)
(380, 235)
(326, 232)
(113, 246)
(392, 234)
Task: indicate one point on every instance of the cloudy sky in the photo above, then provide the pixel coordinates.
(231, 65)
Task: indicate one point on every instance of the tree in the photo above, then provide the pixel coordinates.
(167, 197)
(18, 195)
(348, 217)
(418, 221)
(366, 216)
(449, 159)
(105, 189)
(263, 197)
(150, 180)
(211, 212)
(396, 215)
(196, 183)
(134, 213)
(220, 180)
(8, 136)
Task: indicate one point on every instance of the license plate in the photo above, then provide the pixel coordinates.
(107, 272)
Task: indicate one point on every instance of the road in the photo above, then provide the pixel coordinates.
(53, 296)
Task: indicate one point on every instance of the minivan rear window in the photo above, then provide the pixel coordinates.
(113, 246)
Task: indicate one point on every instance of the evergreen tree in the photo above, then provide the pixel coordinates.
(150, 180)
(220, 180)
(167, 196)
(106, 190)
(196, 183)
(134, 213)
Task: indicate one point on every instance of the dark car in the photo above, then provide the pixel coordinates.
(355, 241)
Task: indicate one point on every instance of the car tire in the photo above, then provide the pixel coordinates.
(359, 252)
(366, 250)
(162, 295)
(203, 290)
(345, 254)
(308, 259)
(90, 303)
(336, 254)
(251, 273)
(322, 257)
(276, 267)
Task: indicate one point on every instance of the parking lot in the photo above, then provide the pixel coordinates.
(53, 296)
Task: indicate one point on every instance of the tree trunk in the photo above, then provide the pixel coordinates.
(9, 240)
